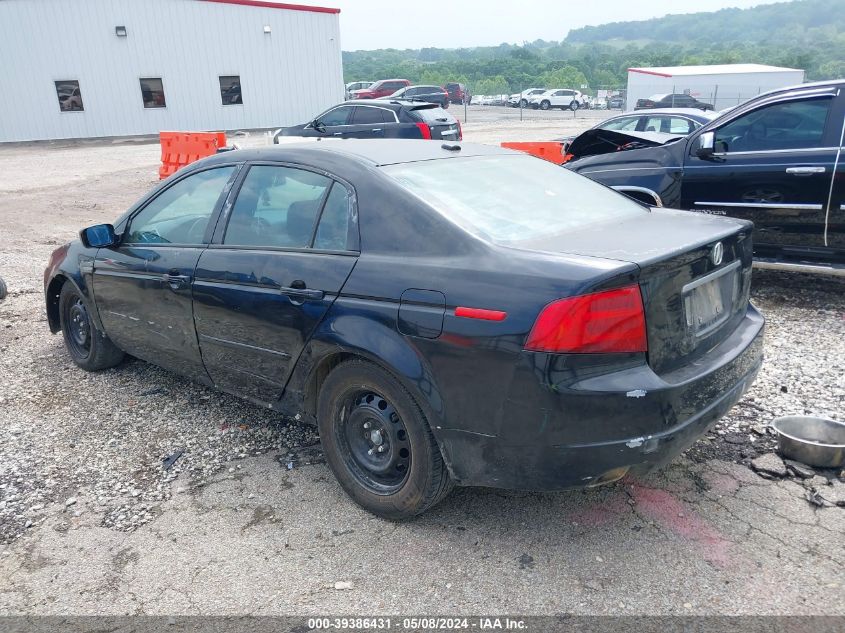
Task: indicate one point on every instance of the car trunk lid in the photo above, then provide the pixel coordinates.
(695, 275)
(443, 125)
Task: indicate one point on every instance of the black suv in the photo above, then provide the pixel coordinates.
(774, 160)
(369, 118)
(672, 101)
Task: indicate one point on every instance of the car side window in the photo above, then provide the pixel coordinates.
(622, 123)
(276, 207)
(337, 230)
(678, 125)
(788, 125)
(365, 115)
(338, 116)
(180, 214)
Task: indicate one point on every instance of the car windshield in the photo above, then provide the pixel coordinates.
(507, 199)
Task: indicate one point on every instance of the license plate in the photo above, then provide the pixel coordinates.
(448, 133)
(709, 300)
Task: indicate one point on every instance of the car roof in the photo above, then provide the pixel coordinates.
(692, 113)
(376, 152)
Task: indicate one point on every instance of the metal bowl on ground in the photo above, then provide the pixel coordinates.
(810, 440)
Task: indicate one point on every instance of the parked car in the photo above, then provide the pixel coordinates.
(672, 101)
(562, 98)
(383, 88)
(616, 103)
(458, 92)
(387, 292)
(352, 86)
(379, 119)
(431, 94)
(674, 122)
(774, 160)
(520, 99)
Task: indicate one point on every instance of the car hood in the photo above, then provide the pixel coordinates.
(598, 141)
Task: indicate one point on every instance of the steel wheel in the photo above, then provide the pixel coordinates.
(373, 442)
(79, 328)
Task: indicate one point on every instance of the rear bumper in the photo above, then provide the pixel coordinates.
(600, 427)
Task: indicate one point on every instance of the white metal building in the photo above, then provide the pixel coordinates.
(93, 68)
(722, 85)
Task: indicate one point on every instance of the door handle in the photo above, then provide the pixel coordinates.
(338, 134)
(176, 280)
(805, 171)
(301, 293)
(378, 129)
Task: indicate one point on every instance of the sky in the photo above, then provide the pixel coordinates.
(369, 24)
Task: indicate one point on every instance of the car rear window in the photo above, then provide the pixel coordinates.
(507, 199)
(433, 115)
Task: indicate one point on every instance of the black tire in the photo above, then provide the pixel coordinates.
(360, 406)
(524, 103)
(3, 290)
(574, 105)
(88, 347)
(545, 105)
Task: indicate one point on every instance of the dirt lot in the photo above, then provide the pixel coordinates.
(248, 519)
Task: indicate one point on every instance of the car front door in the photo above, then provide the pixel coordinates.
(772, 165)
(834, 235)
(282, 251)
(334, 122)
(142, 286)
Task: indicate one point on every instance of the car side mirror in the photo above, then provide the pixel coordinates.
(98, 236)
(706, 145)
(319, 126)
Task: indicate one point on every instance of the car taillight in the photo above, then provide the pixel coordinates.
(596, 323)
(425, 130)
(460, 130)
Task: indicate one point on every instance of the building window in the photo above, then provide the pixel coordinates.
(152, 92)
(230, 90)
(70, 98)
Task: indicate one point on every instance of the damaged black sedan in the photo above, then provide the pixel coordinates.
(387, 292)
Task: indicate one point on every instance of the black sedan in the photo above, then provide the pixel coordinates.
(386, 291)
(380, 118)
(672, 101)
(430, 94)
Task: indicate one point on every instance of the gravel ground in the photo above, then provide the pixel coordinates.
(88, 449)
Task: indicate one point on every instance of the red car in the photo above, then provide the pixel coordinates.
(382, 88)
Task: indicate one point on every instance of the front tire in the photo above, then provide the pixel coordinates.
(545, 105)
(88, 347)
(378, 443)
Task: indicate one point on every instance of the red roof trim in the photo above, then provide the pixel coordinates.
(278, 5)
(647, 72)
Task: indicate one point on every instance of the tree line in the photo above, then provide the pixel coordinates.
(806, 34)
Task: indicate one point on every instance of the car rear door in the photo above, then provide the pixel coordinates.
(142, 286)
(281, 253)
(773, 165)
(369, 122)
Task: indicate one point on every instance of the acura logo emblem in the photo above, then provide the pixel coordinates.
(717, 254)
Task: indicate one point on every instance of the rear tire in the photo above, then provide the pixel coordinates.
(574, 106)
(378, 443)
(88, 347)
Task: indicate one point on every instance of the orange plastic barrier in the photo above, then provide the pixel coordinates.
(182, 148)
(551, 151)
